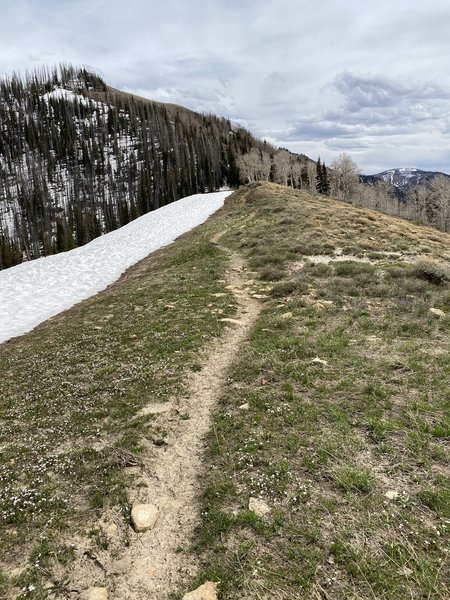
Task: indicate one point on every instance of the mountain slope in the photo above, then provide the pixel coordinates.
(35, 291)
(403, 179)
(78, 159)
(334, 413)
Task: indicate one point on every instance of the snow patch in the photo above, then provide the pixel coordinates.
(32, 292)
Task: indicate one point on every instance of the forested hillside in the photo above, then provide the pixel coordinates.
(78, 159)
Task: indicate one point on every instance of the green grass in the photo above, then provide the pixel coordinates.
(324, 441)
(69, 391)
(346, 376)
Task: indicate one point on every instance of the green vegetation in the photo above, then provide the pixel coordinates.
(69, 392)
(346, 438)
(336, 412)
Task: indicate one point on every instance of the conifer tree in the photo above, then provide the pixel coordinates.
(78, 159)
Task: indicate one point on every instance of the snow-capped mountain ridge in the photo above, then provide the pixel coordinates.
(404, 177)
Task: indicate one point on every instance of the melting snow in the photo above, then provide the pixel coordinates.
(64, 94)
(32, 292)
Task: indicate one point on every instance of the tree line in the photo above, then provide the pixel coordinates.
(79, 159)
(427, 203)
(285, 168)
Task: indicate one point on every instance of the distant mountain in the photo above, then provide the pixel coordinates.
(402, 178)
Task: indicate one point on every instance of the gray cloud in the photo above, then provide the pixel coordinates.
(370, 78)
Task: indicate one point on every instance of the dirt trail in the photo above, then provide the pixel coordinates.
(172, 483)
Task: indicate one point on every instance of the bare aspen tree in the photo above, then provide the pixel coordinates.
(344, 177)
(254, 166)
(438, 202)
(311, 171)
(282, 163)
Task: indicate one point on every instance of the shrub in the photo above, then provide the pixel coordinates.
(272, 273)
(433, 272)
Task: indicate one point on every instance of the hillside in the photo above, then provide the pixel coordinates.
(78, 159)
(37, 290)
(403, 179)
(309, 340)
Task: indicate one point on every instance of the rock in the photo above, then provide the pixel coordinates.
(155, 409)
(437, 312)
(143, 517)
(245, 406)
(259, 296)
(259, 507)
(96, 593)
(219, 295)
(111, 531)
(207, 591)
(287, 315)
(319, 361)
(230, 320)
(392, 495)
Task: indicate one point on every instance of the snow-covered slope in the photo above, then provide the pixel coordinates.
(32, 292)
(404, 177)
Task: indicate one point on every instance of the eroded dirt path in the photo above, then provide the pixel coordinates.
(155, 567)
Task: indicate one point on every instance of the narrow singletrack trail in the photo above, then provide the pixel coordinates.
(171, 480)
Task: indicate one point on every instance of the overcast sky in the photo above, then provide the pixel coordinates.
(366, 77)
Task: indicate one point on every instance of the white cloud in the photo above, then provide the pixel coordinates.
(370, 78)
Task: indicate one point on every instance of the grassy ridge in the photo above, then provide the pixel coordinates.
(347, 431)
(346, 380)
(69, 390)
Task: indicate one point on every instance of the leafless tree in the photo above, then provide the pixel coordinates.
(254, 166)
(344, 177)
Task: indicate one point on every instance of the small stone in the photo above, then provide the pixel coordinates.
(287, 315)
(245, 406)
(97, 593)
(259, 507)
(392, 495)
(207, 591)
(230, 320)
(111, 531)
(319, 361)
(259, 296)
(437, 312)
(156, 409)
(219, 295)
(143, 517)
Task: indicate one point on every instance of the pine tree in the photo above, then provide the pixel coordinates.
(325, 181)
